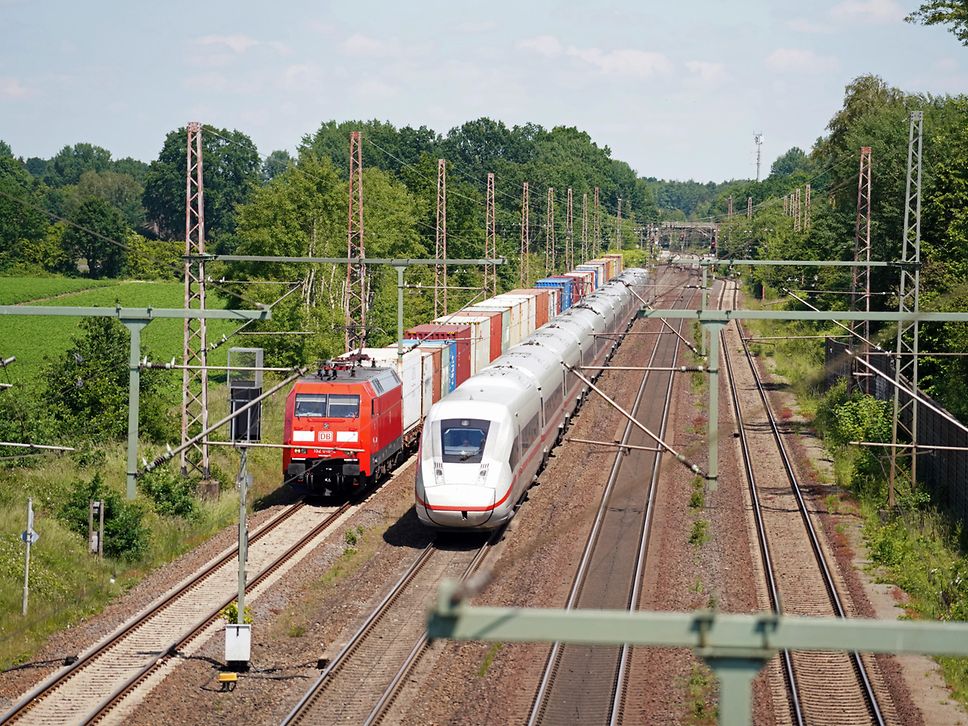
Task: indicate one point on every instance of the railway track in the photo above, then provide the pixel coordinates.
(583, 684)
(105, 675)
(818, 687)
(360, 683)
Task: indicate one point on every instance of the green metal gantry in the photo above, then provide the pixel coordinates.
(735, 647)
(134, 319)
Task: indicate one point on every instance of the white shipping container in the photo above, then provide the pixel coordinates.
(480, 338)
(553, 303)
(427, 394)
(408, 368)
(528, 303)
(518, 307)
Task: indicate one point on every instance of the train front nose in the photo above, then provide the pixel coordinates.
(457, 506)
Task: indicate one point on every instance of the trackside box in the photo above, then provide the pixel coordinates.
(460, 335)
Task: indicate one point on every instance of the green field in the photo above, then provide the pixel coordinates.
(32, 339)
(14, 290)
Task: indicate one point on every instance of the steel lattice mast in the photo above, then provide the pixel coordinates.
(861, 276)
(618, 225)
(906, 360)
(195, 348)
(584, 227)
(796, 210)
(729, 207)
(524, 274)
(355, 294)
(806, 206)
(490, 239)
(569, 234)
(597, 242)
(550, 231)
(440, 250)
(749, 207)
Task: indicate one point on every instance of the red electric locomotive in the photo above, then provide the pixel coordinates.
(344, 425)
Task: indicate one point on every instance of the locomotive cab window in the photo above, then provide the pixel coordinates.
(311, 405)
(463, 439)
(344, 406)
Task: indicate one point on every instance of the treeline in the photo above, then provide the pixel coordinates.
(877, 115)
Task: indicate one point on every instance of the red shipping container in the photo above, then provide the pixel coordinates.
(576, 294)
(497, 334)
(541, 303)
(460, 334)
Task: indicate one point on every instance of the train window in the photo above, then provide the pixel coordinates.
(463, 439)
(344, 406)
(530, 433)
(311, 404)
(515, 452)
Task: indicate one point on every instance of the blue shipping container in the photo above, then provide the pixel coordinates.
(452, 359)
(596, 270)
(564, 285)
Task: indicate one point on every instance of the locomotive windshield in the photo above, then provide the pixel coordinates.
(463, 439)
(321, 405)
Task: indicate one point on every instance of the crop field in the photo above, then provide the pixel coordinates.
(34, 339)
(14, 290)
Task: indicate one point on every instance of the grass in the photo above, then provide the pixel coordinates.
(36, 339)
(697, 499)
(17, 290)
(700, 533)
(489, 659)
(700, 688)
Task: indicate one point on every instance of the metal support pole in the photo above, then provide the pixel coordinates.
(713, 366)
(735, 676)
(243, 533)
(134, 391)
(705, 304)
(400, 287)
(28, 540)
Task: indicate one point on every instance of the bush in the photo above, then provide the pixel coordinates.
(125, 534)
(172, 494)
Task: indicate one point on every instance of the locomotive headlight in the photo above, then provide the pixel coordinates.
(299, 451)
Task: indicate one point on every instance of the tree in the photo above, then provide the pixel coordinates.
(122, 191)
(67, 165)
(953, 13)
(21, 222)
(87, 387)
(96, 234)
(789, 163)
(276, 163)
(231, 168)
(125, 534)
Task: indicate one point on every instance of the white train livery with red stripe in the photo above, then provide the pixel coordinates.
(483, 445)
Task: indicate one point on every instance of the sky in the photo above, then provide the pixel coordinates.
(676, 89)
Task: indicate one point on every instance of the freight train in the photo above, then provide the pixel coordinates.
(354, 419)
(485, 443)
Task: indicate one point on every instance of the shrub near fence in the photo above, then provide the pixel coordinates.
(943, 473)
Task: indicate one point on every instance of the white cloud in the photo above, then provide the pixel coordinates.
(301, 77)
(624, 61)
(240, 43)
(12, 88)
(876, 11)
(547, 45)
(798, 60)
(706, 70)
(364, 45)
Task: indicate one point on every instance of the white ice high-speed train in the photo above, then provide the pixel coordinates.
(483, 445)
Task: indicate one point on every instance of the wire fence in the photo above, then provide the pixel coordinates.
(942, 472)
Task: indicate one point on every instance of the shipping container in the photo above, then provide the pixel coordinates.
(460, 335)
(574, 287)
(618, 262)
(517, 308)
(500, 320)
(480, 338)
(586, 281)
(448, 362)
(410, 370)
(433, 356)
(542, 300)
(526, 306)
(563, 287)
